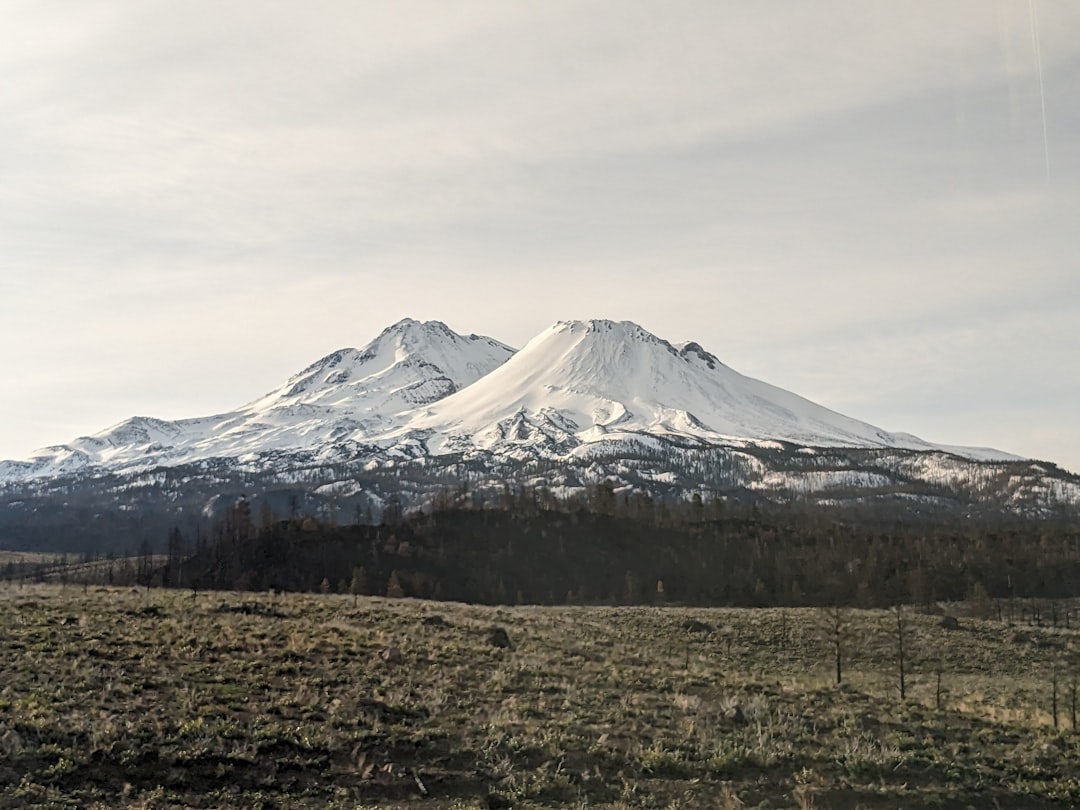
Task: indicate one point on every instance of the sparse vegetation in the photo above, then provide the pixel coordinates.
(155, 698)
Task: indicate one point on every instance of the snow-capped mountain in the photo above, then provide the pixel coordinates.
(422, 388)
(581, 382)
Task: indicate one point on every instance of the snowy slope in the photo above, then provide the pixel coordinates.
(581, 382)
(343, 398)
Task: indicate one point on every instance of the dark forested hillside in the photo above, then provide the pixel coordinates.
(625, 554)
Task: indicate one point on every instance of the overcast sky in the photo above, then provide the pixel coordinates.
(859, 202)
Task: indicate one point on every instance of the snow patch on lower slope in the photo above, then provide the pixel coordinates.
(804, 483)
(980, 453)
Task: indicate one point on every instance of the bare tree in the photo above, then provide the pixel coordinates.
(1054, 693)
(901, 631)
(1072, 700)
(358, 585)
(938, 669)
(836, 626)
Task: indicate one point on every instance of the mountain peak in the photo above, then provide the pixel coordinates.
(410, 325)
(602, 326)
(588, 379)
(627, 331)
(607, 338)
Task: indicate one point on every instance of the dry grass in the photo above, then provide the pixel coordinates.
(155, 699)
(25, 557)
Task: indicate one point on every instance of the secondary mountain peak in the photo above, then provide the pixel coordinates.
(420, 361)
(693, 351)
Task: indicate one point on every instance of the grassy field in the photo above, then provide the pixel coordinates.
(122, 698)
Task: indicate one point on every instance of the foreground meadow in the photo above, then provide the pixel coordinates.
(154, 699)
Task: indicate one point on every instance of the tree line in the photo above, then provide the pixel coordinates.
(600, 548)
